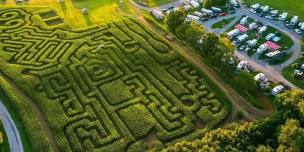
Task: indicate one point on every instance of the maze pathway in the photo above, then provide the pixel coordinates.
(105, 88)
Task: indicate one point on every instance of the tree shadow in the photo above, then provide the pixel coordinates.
(88, 19)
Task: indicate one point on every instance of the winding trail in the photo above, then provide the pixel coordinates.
(11, 130)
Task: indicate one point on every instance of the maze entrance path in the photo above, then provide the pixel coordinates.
(106, 88)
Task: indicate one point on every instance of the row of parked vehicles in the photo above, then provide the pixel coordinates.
(270, 13)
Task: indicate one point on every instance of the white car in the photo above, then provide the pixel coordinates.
(298, 31)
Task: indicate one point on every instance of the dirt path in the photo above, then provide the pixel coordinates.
(238, 102)
(36, 109)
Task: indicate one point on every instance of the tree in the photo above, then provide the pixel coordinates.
(175, 18)
(245, 81)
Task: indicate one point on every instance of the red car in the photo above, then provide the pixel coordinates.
(223, 14)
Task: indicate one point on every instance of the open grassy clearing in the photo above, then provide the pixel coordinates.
(107, 87)
(294, 7)
(100, 11)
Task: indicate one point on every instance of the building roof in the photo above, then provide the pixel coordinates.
(272, 46)
(241, 28)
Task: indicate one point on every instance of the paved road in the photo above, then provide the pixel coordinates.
(11, 130)
(238, 102)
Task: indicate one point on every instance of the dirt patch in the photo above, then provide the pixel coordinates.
(150, 139)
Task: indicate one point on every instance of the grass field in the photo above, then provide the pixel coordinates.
(100, 11)
(108, 87)
(294, 7)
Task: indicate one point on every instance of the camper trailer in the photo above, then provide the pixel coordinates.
(265, 9)
(294, 20)
(216, 10)
(244, 20)
(255, 6)
(252, 26)
(242, 38)
(262, 48)
(233, 33)
(262, 29)
(199, 14)
(207, 12)
(252, 43)
(283, 16)
(194, 18)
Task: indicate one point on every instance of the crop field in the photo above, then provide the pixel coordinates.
(107, 87)
(100, 11)
(294, 7)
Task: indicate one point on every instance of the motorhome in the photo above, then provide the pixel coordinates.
(252, 43)
(255, 6)
(233, 33)
(244, 20)
(262, 29)
(262, 48)
(207, 12)
(242, 38)
(283, 16)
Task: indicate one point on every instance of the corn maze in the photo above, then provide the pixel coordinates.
(105, 88)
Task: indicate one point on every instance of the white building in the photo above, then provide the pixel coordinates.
(277, 90)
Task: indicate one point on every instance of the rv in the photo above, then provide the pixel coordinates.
(234, 3)
(244, 20)
(243, 65)
(277, 90)
(262, 29)
(265, 9)
(262, 48)
(269, 36)
(199, 14)
(255, 6)
(252, 43)
(274, 13)
(252, 26)
(272, 54)
(194, 3)
(216, 10)
(283, 16)
(207, 12)
(242, 38)
(294, 20)
(233, 33)
(157, 14)
(194, 18)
